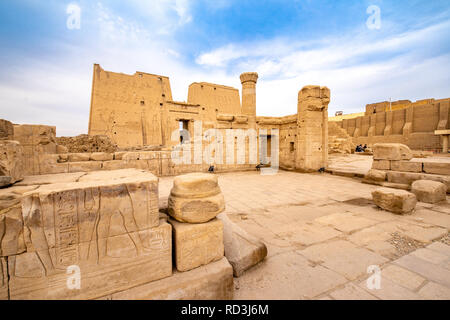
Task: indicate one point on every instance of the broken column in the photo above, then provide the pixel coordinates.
(194, 202)
(312, 128)
(248, 80)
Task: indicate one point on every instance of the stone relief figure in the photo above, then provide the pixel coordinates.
(77, 225)
(114, 200)
(34, 234)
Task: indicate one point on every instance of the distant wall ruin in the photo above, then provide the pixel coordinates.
(413, 126)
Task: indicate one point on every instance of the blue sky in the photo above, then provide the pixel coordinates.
(46, 68)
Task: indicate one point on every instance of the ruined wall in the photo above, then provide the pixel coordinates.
(386, 106)
(312, 129)
(413, 126)
(217, 98)
(287, 127)
(127, 108)
(36, 140)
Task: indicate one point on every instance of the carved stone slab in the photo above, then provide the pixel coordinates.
(197, 244)
(106, 225)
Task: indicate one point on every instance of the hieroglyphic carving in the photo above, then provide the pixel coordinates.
(94, 225)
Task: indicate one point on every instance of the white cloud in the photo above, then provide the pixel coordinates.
(359, 69)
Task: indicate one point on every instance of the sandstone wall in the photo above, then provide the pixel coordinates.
(36, 141)
(413, 126)
(127, 108)
(287, 127)
(218, 98)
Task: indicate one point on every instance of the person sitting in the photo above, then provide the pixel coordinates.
(365, 147)
(359, 148)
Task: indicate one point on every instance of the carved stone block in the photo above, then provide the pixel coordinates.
(197, 244)
(107, 224)
(11, 160)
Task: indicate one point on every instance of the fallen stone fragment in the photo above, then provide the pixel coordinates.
(375, 175)
(429, 191)
(394, 200)
(242, 250)
(391, 151)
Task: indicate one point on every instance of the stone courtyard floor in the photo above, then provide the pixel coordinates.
(323, 232)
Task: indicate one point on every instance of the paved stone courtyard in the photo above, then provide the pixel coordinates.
(323, 232)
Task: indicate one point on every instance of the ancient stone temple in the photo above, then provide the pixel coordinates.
(138, 110)
(173, 200)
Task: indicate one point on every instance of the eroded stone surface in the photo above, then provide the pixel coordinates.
(110, 228)
(394, 200)
(197, 244)
(211, 282)
(196, 198)
(429, 191)
(242, 250)
(375, 175)
(391, 151)
(11, 160)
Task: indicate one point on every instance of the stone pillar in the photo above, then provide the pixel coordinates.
(248, 80)
(312, 128)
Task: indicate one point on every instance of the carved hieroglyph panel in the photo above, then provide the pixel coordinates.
(109, 229)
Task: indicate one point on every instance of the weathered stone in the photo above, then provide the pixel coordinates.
(211, 282)
(196, 198)
(61, 149)
(381, 164)
(403, 177)
(429, 191)
(394, 200)
(114, 165)
(375, 175)
(3, 280)
(437, 167)
(63, 158)
(11, 220)
(5, 181)
(11, 160)
(6, 130)
(101, 156)
(434, 291)
(391, 151)
(11, 231)
(110, 228)
(119, 155)
(343, 257)
(403, 277)
(407, 178)
(242, 250)
(311, 140)
(77, 157)
(196, 245)
(406, 166)
(85, 166)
